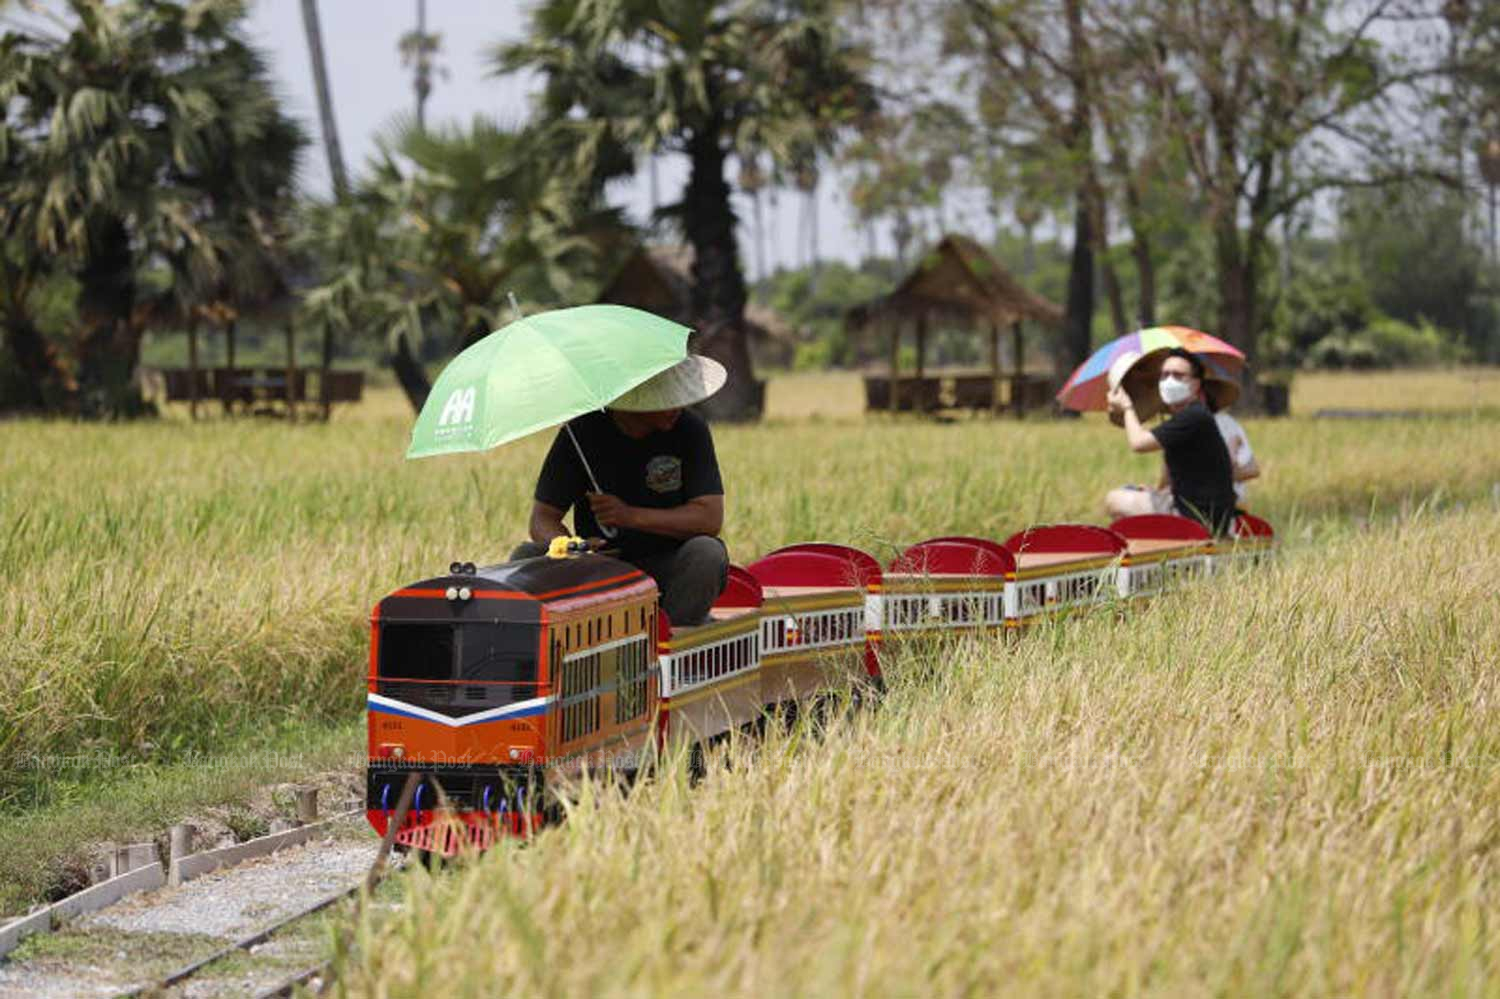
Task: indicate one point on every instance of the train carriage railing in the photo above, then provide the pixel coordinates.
(728, 645)
(946, 584)
(820, 597)
(1162, 550)
(1060, 568)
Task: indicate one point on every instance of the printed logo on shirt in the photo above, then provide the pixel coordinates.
(664, 474)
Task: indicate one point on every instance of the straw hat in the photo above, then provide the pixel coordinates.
(689, 381)
(1220, 393)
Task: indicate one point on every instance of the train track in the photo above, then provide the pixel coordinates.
(322, 971)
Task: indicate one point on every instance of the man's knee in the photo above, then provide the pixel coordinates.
(528, 549)
(699, 571)
(704, 561)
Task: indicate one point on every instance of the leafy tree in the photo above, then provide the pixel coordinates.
(1412, 249)
(706, 80)
(1271, 103)
(144, 136)
(445, 225)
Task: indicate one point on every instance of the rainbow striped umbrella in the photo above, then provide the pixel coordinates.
(1086, 389)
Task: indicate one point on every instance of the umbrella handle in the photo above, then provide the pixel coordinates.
(605, 529)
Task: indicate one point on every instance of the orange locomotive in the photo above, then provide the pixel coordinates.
(480, 676)
(488, 681)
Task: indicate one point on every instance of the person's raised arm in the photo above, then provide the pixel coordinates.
(1140, 439)
(1249, 470)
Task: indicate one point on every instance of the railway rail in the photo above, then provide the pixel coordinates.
(322, 970)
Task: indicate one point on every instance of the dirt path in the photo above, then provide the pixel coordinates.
(147, 936)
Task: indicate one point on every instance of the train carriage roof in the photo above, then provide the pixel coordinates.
(817, 564)
(1160, 527)
(1083, 539)
(955, 556)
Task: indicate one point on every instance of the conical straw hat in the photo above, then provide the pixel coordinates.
(690, 381)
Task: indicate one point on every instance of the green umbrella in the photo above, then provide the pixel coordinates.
(540, 371)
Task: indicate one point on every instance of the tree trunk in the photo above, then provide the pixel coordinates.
(109, 344)
(43, 384)
(1238, 293)
(1145, 269)
(409, 373)
(718, 292)
(336, 172)
(1073, 349)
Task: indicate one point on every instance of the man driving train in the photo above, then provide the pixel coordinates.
(659, 487)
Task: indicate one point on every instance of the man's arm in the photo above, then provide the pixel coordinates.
(546, 522)
(699, 515)
(1140, 439)
(1249, 470)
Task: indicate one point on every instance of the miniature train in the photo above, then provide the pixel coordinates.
(487, 682)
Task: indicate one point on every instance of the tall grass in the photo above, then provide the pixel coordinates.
(1276, 782)
(165, 587)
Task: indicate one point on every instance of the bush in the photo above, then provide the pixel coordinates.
(1386, 343)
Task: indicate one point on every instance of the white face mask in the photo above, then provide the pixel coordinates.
(1174, 390)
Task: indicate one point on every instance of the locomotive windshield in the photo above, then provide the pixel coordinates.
(457, 669)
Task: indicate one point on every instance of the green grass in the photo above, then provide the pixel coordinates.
(45, 849)
(1280, 782)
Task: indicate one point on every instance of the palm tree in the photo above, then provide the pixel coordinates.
(702, 79)
(419, 49)
(447, 222)
(147, 137)
(336, 172)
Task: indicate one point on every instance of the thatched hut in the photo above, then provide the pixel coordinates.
(956, 284)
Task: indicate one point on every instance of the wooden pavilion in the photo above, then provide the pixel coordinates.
(957, 283)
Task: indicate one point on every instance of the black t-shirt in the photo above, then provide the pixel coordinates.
(661, 470)
(1198, 462)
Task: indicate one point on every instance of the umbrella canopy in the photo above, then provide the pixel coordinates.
(540, 371)
(1088, 386)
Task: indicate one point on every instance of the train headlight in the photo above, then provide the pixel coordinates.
(465, 593)
(452, 593)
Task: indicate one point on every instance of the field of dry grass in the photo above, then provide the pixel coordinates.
(169, 589)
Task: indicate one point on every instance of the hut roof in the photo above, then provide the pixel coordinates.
(957, 281)
(659, 279)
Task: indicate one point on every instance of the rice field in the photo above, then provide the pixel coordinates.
(170, 589)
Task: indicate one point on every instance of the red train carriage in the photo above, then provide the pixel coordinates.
(1062, 567)
(479, 677)
(1161, 549)
(947, 584)
(815, 626)
(1250, 540)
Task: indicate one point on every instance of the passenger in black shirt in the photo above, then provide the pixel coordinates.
(659, 488)
(1198, 463)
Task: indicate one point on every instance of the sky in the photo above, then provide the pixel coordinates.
(370, 85)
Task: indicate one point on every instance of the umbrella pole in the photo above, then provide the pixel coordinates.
(579, 448)
(606, 530)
